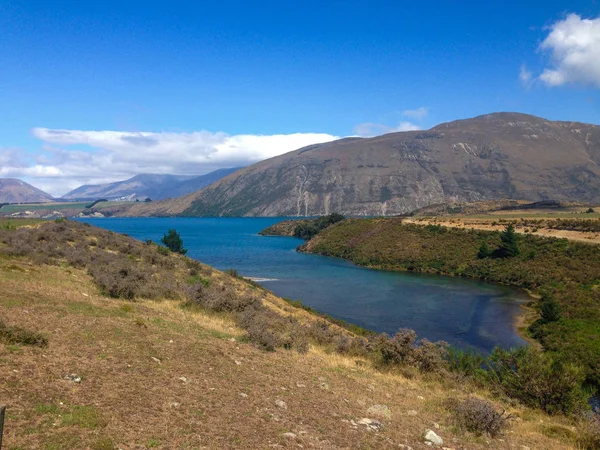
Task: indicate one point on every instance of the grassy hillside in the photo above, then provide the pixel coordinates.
(135, 347)
(568, 271)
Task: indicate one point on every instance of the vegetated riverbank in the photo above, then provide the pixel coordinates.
(568, 272)
(92, 318)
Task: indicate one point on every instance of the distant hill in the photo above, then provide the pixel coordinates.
(490, 157)
(13, 190)
(154, 186)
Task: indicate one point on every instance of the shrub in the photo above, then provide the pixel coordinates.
(21, 336)
(537, 380)
(398, 349)
(478, 416)
(549, 309)
(256, 321)
(469, 363)
(589, 432)
(403, 349)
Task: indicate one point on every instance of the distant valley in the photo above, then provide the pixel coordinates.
(153, 186)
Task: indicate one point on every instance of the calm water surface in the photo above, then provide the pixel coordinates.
(462, 312)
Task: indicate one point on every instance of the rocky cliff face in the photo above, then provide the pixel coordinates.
(496, 156)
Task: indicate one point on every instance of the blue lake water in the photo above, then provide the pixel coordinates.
(465, 313)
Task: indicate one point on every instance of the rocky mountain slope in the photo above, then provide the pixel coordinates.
(495, 156)
(154, 186)
(13, 190)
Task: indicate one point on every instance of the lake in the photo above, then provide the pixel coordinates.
(465, 313)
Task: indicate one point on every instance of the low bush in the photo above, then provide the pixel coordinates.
(21, 336)
(478, 416)
(404, 349)
(588, 436)
(537, 380)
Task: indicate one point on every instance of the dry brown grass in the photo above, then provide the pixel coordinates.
(155, 375)
(492, 223)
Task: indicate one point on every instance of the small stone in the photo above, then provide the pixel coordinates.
(239, 363)
(411, 412)
(244, 395)
(432, 438)
(381, 411)
(281, 404)
(174, 404)
(370, 423)
(183, 379)
(370, 387)
(324, 386)
(74, 378)
(231, 339)
(156, 360)
(420, 397)
(406, 447)
(300, 385)
(289, 435)
(436, 425)
(524, 447)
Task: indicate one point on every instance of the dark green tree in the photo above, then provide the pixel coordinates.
(484, 251)
(173, 242)
(549, 309)
(509, 242)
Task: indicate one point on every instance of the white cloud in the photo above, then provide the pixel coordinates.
(370, 129)
(574, 45)
(417, 114)
(525, 75)
(117, 155)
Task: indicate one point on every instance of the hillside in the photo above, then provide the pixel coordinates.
(495, 156)
(13, 190)
(154, 186)
(86, 367)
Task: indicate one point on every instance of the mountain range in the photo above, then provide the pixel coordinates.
(494, 156)
(153, 186)
(13, 190)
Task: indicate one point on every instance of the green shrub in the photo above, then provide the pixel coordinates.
(21, 336)
(537, 380)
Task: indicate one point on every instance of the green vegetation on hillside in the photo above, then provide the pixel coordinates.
(309, 229)
(568, 271)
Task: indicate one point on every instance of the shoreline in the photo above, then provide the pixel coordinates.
(521, 321)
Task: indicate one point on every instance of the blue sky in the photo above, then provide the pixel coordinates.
(188, 87)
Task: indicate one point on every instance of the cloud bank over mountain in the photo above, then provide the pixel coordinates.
(70, 158)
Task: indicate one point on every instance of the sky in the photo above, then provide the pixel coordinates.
(98, 91)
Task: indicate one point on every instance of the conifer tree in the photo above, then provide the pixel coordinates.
(484, 251)
(509, 245)
(173, 242)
